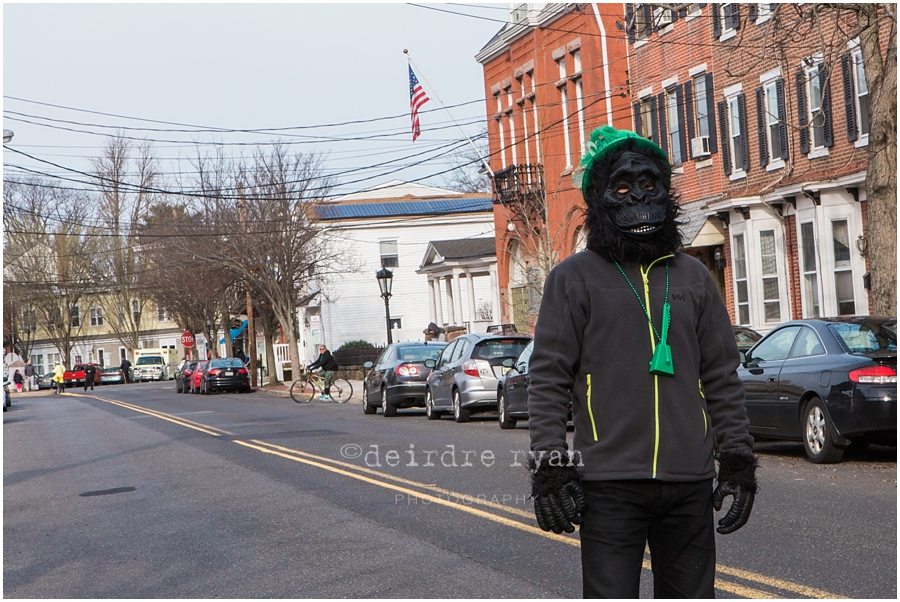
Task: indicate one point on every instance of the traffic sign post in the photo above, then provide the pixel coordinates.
(187, 339)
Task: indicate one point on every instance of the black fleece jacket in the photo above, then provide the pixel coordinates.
(593, 337)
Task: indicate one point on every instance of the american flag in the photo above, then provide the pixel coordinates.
(417, 98)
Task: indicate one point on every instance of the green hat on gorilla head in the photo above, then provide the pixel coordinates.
(606, 142)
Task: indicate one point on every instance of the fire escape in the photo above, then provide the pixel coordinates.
(520, 188)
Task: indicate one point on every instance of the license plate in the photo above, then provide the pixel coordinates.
(229, 374)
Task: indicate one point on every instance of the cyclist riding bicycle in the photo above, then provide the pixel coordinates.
(329, 368)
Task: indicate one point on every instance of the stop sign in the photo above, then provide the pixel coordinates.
(187, 339)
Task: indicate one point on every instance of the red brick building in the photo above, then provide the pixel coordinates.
(551, 76)
(768, 130)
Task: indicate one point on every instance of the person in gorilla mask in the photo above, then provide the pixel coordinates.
(637, 331)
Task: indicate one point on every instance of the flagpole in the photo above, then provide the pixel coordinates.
(443, 106)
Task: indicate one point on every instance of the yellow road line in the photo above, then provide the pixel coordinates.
(317, 461)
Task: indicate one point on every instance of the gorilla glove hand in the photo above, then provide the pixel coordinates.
(737, 478)
(558, 496)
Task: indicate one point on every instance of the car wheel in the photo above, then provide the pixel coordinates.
(387, 409)
(429, 407)
(503, 413)
(367, 409)
(460, 414)
(817, 430)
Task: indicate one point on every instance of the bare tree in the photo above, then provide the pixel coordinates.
(470, 174)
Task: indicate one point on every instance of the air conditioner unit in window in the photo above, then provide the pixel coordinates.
(700, 146)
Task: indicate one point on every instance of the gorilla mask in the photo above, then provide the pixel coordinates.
(631, 212)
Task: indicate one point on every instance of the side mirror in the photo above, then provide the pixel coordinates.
(522, 367)
(430, 363)
(368, 365)
(507, 362)
(743, 355)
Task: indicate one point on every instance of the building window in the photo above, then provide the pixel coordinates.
(761, 12)
(532, 95)
(96, 316)
(701, 128)
(862, 93)
(499, 119)
(843, 274)
(389, 257)
(645, 122)
(37, 360)
(79, 359)
(662, 18)
(136, 311)
(811, 304)
(769, 262)
(579, 99)
(162, 315)
(815, 115)
(52, 360)
(522, 97)
(512, 124)
(76, 317)
(856, 95)
(674, 119)
(726, 20)
(564, 103)
(101, 357)
(733, 114)
(396, 323)
(642, 18)
(771, 123)
(741, 285)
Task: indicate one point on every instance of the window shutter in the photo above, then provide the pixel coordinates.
(717, 25)
(745, 134)
(649, 22)
(782, 119)
(689, 114)
(754, 13)
(711, 111)
(825, 84)
(761, 126)
(802, 118)
(629, 22)
(723, 128)
(679, 101)
(734, 16)
(636, 110)
(675, 14)
(663, 140)
(849, 104)
(654, 124)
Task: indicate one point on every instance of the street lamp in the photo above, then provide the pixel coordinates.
(385, 280)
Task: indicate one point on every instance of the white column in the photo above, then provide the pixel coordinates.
(438, 308)
(448, 282)
(471, 284)
(495, 296)
(431, 312)
(457, 297)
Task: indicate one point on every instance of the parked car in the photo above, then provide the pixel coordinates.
(75, 376)
(463, 379)
(183, 375)
(397, 378)
(745, 337)
(196, 375)
(224, 374)
(45, 381)
(7, 399)
(828, 382)
(512, 393)
(112, 376)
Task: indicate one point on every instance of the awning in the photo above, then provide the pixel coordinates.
(235, 332)
(699, 230)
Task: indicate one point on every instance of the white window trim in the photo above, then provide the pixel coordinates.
(759, 221)
(737, 173)
(695, 12)
(775, 164)
(695, 71)
(762, 18)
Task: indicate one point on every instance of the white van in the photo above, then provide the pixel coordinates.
(154, 364)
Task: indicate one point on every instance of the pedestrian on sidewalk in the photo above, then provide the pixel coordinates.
(58, 372)
(17, 378)
(30, 383)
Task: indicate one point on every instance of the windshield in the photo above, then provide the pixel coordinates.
(149, 360)
(226, 362)
(866, 337)
(111, 370)
(419, 353)
(499, 349)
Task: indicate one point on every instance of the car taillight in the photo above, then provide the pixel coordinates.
(213, 372)
(470, 368)
(408, 370)
(242, 371)
(878, 375)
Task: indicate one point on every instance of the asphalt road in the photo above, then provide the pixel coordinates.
(132, 491)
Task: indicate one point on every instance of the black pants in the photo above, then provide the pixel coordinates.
(675, 519)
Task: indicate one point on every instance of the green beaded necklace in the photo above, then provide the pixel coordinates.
(661, 362)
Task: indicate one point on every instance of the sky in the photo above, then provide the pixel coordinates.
(243, 66)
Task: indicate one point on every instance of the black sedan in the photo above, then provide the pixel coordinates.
(225, 374)
(397, 378)
(829, 382)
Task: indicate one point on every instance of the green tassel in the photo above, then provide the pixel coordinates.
(661, 362)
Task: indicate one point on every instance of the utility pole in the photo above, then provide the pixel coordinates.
(251, 332)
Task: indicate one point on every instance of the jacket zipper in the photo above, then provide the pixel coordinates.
(590, 407)
(703, 409)
(645, 277)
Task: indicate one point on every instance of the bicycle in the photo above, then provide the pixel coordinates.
(304, 389)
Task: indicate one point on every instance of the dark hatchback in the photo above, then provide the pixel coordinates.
(512, 396)
(397, 378)
(829, 382)
(183, 376)
(225, 374)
